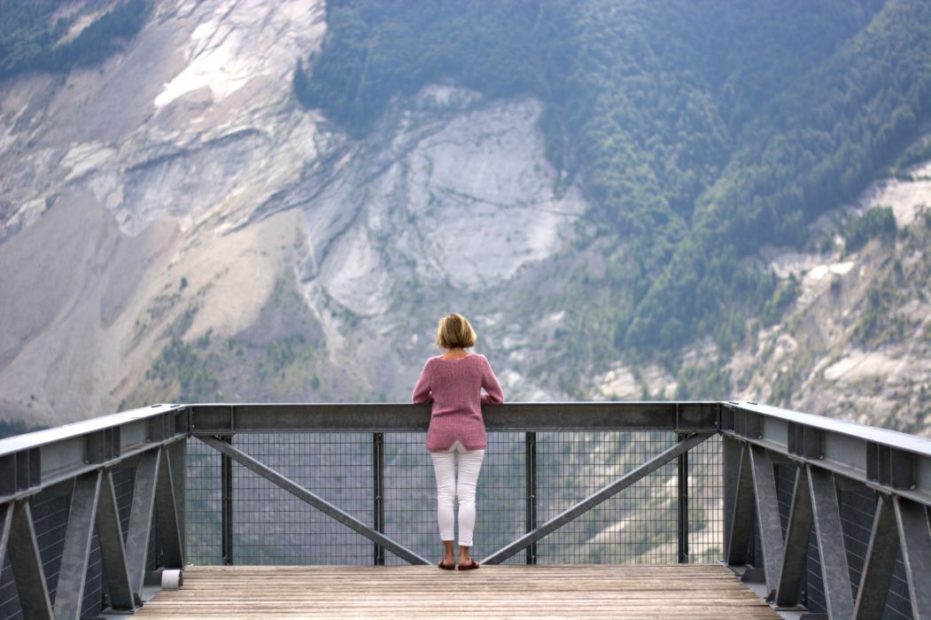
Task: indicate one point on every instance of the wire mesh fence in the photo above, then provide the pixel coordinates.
(270, 526)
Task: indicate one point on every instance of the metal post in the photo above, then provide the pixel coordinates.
(226, 502)
(530, 477)
(683, 475)
(378, 491)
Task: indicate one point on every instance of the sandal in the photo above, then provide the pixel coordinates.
(447, 566)
(472, 565)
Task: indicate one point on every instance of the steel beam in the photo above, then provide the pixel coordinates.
(177, 452)
(597, 498)
(314, 500)
(32, 462)
(27, 564)
(915, 542)
(767, 514)
(830, 539)
(140, 519)
(69, 593)
(879, 564)
(789, 589)
(889, 461)
(740, 520)
(6, 519)
(112, 550)
(209, 420)
(166, 514)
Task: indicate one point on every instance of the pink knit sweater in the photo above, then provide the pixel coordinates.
(454, 386)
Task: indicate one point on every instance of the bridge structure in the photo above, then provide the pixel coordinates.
(622, 509)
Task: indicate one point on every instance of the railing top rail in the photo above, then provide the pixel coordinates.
(37, 439)
(230, 418)
(544, 416)
(902, 441)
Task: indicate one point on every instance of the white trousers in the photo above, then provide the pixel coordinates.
(447, 489)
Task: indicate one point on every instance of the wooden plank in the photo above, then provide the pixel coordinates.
(609, 591)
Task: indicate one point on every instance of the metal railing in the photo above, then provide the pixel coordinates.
(125, 496)
(100, 485)
(834, 469)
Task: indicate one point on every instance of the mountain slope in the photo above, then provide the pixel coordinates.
(617, 193)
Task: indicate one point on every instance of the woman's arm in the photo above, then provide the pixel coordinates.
(493, 393)
(422, 391)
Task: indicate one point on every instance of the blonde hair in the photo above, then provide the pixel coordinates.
(454, 332)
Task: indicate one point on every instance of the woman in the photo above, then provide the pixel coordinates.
(453, 382)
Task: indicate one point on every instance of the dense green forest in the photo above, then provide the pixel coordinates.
(33, 34)
(699, 130)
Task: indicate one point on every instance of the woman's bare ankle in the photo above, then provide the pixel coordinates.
(448, 549)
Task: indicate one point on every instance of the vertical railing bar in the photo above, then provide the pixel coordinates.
(378, 492)
(530, 483)
(226, 503)
(683, 504)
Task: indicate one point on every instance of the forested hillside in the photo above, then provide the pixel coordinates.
(51, 35)
(699, 131)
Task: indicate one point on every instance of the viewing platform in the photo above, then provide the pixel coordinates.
(627, 510)
(514, 591)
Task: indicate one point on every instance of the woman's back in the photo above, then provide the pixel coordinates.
(454, 386)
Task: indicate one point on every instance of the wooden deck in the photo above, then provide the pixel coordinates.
(589, 591)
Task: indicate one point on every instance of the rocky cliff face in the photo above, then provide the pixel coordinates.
(174, 210)
(174, 227)
(124, 194)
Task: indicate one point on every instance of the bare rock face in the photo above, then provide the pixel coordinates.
(449, 196)
(121, 189)
(177, 193)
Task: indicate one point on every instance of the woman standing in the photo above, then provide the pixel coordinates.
(453, 382)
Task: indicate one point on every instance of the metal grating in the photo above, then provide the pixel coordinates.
(272, 527)
(410, 496)
(706, 502)
(202, 511)
(639, 524)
